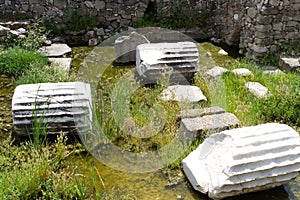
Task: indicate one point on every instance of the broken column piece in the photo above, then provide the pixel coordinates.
(244, 160)
(180, 60)
(53, 107)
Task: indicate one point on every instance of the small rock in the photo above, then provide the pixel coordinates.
(89, 4)
(64, 63)
(47, 42)
(216, 71)
(125, 47)
(222, 52)
(100, 32)
(93, 42)
(242, 72)
(56, 50)
(183, 93)
(290, 63)
(271, 70)
(257, 89)
(22, 30)
(208, 54)
(208, 124)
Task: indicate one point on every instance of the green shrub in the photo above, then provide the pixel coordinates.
(178, 14)
(76, 21)
(35, 38)
(38, 73)
(15, 61)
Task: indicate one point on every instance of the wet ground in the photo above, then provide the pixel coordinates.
(160, 185)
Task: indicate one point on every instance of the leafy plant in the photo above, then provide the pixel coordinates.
(39, 73)
(76, 20)
(178, 14)
(51, 26)
(15, 61)
(30, 173)
(34, 38)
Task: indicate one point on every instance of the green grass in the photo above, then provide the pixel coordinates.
(15, 61)
(283, 104)
(39, 73)
(30, 173)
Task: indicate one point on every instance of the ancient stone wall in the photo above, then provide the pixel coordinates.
(256, 26)
(111, 16)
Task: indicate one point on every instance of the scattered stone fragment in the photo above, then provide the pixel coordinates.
(56, 50)
(216, 71)
(257, 89)
(56, 106)
(183, 93)
(125, 47)
(242, 72)
(179, 60)
(244, 160)
(223, 52)
(271, 70)
(64, 63)
(290, 64)
(208, 54)
(208, 124)
(93, 42)
(192, 113)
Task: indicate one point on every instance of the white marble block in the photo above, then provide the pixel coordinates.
(180, 60)
(257, 89)
(125, 47)
(244, 160)
(55, 107)
(183, 93)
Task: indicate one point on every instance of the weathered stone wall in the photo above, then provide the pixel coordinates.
(256, 26)
(270, 24)
(112, 15)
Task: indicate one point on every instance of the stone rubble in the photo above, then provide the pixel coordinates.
(242, 72)
(206, 125)
(223, 52)
(63, 63)
(56, 50)
(244, 160)
(271, 70)
(257, 89)
(216, 71)
(183, 93)
(290, 64)
(125, 47)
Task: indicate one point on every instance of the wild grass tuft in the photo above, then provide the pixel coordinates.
(15, 61)
(49, 73)
(30, 173)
